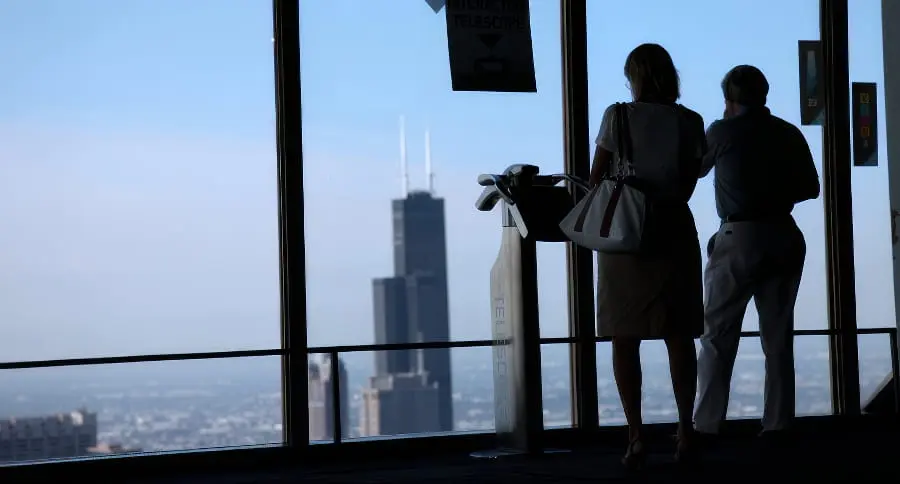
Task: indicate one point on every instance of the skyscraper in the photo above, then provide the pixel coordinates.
(413, 306)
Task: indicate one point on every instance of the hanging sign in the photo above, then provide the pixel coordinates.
(490, 45)
(865, 123)
(812, 93)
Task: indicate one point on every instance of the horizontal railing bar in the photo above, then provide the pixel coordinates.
(558, 341)
(211, 355)
(755, 334)
(112, 360)
(876, 331)
(433, 345)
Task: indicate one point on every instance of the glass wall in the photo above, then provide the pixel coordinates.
(705, 42)
(391, 156)
(138, 215)
(872, 216)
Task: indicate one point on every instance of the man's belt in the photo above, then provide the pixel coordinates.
(753, 217)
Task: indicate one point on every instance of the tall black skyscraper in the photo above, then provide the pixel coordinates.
(413, 305)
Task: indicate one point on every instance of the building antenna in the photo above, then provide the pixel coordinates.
(429, 174)
(404, 175)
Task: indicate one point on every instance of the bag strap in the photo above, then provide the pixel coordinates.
(586, 207)
(623, 140)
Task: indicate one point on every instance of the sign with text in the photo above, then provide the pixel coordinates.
(490, 48)
(865, 123)
(812, 93)
(506, 294)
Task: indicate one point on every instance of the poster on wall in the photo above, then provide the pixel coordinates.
(812, 99)
(865, 123)
(490, 45)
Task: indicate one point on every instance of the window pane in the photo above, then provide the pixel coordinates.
(705, 43)
(137, 178)
(556, 385)
(553, 290)
(352, 132)
(398, 256)
(874, 364)
(658, 404)
(870, 187)
(323, 407)
(813, 368)
(159, 406)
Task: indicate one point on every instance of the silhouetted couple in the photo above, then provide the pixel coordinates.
(763, 167)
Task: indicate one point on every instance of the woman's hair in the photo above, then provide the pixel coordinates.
(652, 74)
(745, 85)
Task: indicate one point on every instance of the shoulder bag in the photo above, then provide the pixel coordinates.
(612, 217)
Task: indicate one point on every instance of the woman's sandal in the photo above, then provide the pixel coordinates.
(686, 455)
(635, 456)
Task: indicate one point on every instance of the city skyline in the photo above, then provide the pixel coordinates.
(245, 410)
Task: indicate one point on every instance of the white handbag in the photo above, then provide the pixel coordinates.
(612, 217)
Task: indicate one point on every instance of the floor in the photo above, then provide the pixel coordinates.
(858, 457)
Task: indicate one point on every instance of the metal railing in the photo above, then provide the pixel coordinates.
(333, 353)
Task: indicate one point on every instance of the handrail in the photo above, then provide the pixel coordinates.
(211, 355)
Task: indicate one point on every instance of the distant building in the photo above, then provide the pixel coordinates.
(412, 306)
(321, 401)
(420, 257)
(109, 449)
(58, 436)
(401, 403)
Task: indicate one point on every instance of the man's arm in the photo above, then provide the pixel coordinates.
(712, 149)
(804, 177)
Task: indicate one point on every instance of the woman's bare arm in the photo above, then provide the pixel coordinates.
(600, 165)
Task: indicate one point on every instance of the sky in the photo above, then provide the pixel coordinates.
(137, 160)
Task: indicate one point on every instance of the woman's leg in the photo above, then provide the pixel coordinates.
(626, 353)
(683, 367)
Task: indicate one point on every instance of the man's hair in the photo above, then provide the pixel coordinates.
(652, 74)
(745, 85)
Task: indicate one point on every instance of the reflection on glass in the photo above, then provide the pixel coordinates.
(137, 179)
(160, 406)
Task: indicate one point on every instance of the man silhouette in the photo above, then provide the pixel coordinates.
(763, 167)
